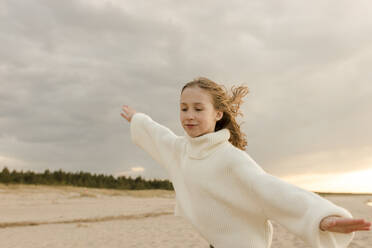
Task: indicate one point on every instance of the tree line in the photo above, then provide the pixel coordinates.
(82, 179)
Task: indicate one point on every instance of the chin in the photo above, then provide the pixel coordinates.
(193, 134)
(200, 134)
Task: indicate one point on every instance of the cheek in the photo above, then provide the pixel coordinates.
(206, 119)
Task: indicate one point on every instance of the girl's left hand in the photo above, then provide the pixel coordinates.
(343, 225)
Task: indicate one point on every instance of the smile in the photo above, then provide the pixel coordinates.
(190, 126)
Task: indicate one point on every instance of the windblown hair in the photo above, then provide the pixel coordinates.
(228, 104)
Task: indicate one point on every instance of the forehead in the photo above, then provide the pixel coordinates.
(195, 96)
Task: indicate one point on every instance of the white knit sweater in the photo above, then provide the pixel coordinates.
(227, 197)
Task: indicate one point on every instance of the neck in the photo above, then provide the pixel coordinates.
(201, 146)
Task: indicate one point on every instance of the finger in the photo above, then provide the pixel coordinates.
(124, 116)
(360, 229)
(342, 229)
(345, 221)
(365, 228)
(126, 111)
(352, 222)
(349, 228)
(352, 226)
(365, 224)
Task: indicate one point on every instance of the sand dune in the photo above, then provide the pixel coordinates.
(46, 216)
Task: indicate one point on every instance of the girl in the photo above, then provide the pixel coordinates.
(220, 189)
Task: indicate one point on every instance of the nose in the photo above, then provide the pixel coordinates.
(189, 115)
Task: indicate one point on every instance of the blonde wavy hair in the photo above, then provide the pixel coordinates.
(228, 104)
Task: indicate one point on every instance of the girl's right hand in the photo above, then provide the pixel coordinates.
(129, 112)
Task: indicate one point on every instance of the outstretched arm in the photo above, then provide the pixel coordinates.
(302, 212)
(155, 139)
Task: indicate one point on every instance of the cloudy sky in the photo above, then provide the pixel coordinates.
(67, 67)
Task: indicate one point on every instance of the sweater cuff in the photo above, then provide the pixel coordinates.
(319, 238)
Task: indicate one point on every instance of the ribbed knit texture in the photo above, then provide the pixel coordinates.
(227, 197)
(202, 146)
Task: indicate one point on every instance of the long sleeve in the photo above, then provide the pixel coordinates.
(157, 140)
(299, 210)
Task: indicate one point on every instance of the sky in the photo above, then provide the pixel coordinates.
(67, 67)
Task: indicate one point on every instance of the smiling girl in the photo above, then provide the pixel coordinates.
(226, 196)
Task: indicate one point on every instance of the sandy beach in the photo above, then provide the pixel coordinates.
(63, 216)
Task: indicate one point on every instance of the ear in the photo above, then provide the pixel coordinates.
(219, 115)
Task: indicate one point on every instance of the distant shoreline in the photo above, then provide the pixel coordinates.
(15, 185)
(340, 193)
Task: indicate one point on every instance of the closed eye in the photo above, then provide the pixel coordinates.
(195, 109)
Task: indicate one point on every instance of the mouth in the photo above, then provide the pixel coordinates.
(190, 126)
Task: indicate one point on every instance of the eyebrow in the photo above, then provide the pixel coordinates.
(194, 103)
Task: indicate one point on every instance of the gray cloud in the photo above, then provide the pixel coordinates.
(66, 68)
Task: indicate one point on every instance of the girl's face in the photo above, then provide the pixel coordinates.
(197, 113)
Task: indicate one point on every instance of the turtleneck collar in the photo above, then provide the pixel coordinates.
(200, 147)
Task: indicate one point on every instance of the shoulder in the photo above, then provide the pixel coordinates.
(241, 160)
(235, 154)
